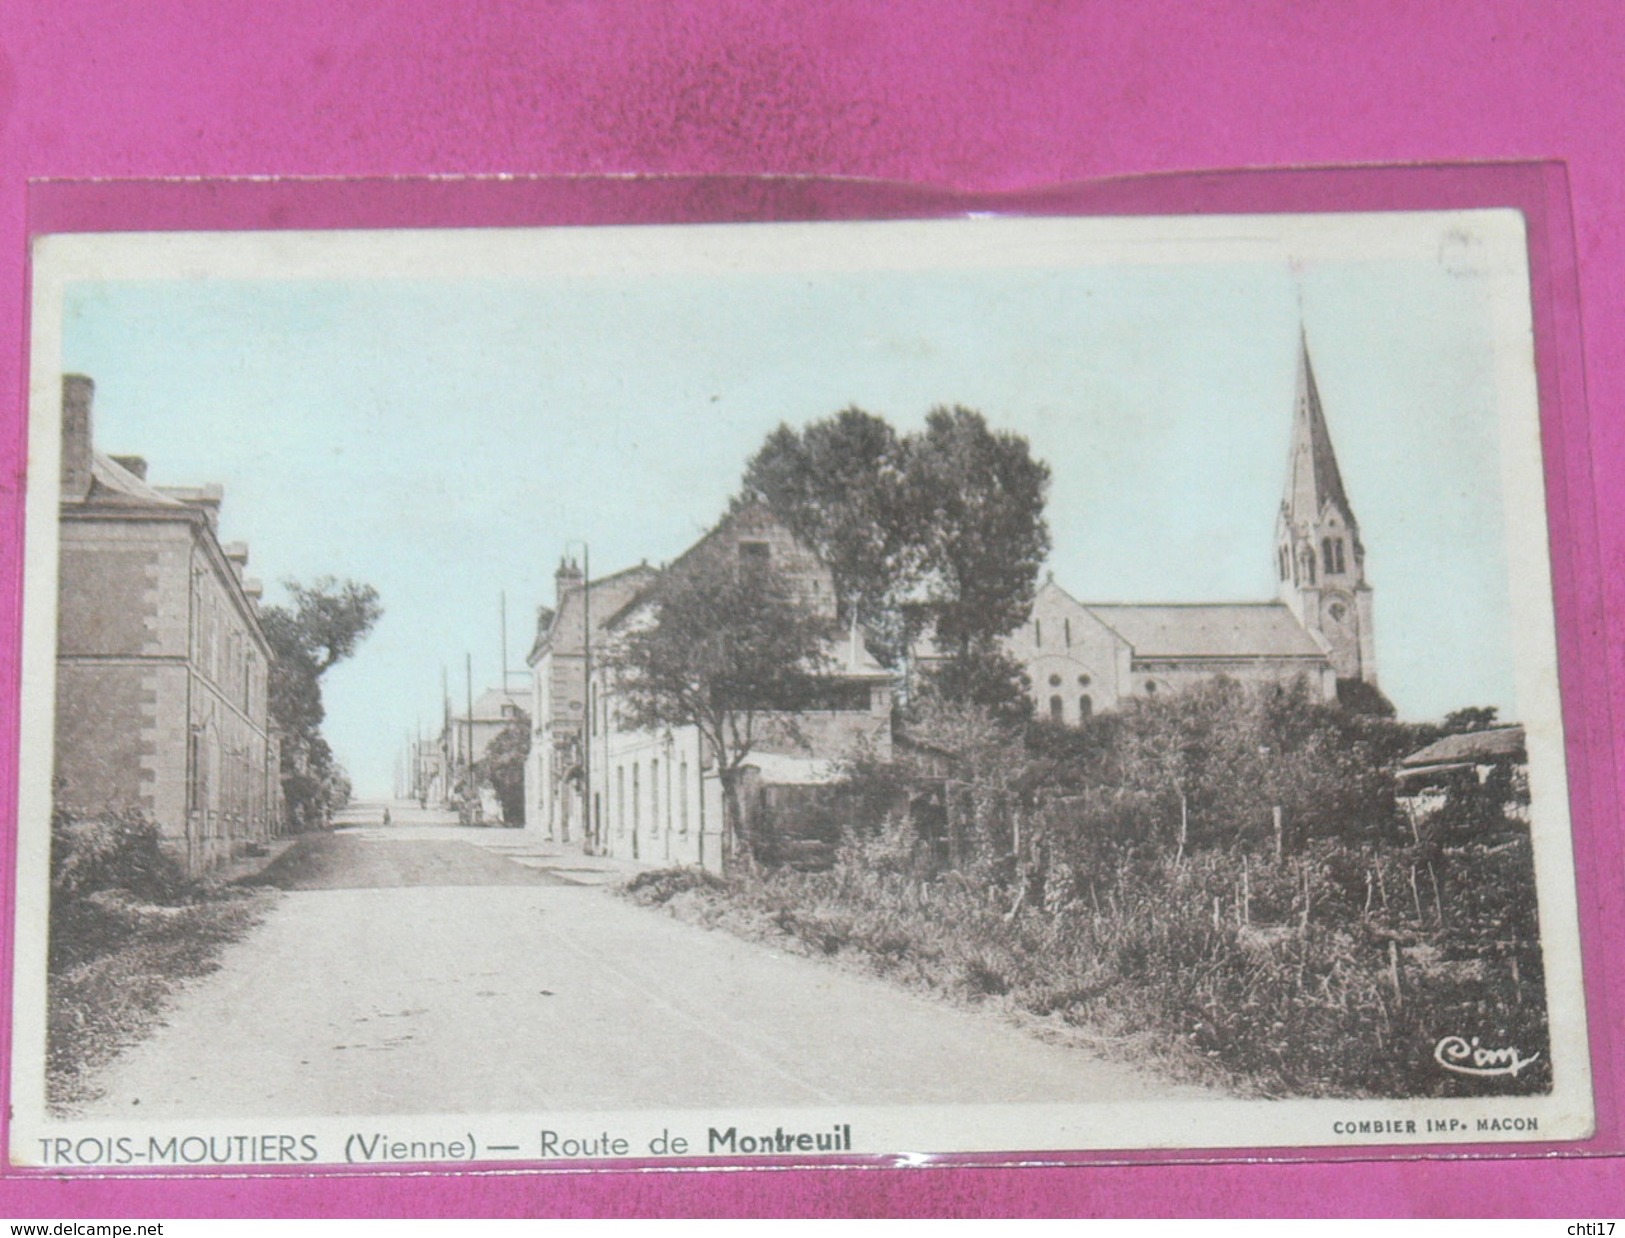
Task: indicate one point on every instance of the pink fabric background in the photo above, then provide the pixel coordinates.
(971, 96)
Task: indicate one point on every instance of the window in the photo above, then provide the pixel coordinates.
(1284, 560)
(755, 556)
(1150, 689)
(682, 797)
(1085, 706)
(654, 798)
(1038, 632)
(1066, 627)
(1337, 555)
(1083, 681)
(194, 765)
(1055, 681)
(1056, 708)
(637, 800)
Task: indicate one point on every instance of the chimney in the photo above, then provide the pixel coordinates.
(134, 465)
(77, 393)
(566, 579)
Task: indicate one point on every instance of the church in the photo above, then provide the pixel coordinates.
(1086, 656)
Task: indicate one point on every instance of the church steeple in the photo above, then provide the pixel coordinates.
(1320, 561)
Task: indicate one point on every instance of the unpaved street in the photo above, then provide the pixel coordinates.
(422, 968)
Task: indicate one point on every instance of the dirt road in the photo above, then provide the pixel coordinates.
(422, 968)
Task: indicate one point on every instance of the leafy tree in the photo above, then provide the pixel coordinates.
(839, 486)
(731, 651)
(941, 529)
(1472, 718)
(323, 624)
(979, 496)
(983, 675)
(502, 768)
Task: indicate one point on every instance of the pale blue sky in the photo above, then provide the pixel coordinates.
(444, 439)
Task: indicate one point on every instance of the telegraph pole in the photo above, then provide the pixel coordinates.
(468, 754)
(589, 821)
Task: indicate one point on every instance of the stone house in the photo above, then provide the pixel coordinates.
(568, 635)
(656, 797)
(464, 737)
(161, 674)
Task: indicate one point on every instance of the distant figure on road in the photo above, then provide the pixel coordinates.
(386, 816)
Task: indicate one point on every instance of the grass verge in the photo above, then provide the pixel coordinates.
(1326, 974)
(115, 961)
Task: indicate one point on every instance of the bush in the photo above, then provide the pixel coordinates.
(659, 886)
(118, 851)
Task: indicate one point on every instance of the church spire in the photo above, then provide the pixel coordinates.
(1313, 478)
(1319, 560)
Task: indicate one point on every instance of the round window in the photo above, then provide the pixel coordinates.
(1083, 681)
(1055, 681)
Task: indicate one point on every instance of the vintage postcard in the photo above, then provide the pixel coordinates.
(1038, 688)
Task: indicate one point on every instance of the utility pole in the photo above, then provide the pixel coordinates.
(468, 753)
(589, 821)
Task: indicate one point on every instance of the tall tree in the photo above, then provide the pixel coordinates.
(840, 486)
(502, 767)
(323, 625)
(941, 529)
(730, 650)
(979, 498)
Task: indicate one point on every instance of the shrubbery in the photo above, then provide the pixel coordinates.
(126, 926)
(1125, 880)
(103, 870)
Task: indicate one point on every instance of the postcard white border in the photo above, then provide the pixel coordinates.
(1058, 1132)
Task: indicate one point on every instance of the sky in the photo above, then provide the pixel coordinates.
(444, 416)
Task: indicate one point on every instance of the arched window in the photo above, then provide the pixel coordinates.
(1056, 708)
(1283, 558)
(1327, 562)
(1067, 626)
(1085, 706)
(1038, 632)
(1337, 554)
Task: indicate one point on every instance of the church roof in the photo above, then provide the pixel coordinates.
(1209, 630)
(1313, 478)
